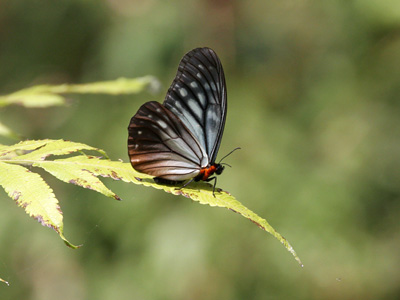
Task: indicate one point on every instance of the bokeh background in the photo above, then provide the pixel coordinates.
(313, 100)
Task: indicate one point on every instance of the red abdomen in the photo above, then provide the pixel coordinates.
(206, 172)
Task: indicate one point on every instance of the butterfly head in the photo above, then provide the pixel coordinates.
(219, 169)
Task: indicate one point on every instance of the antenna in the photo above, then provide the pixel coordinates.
(225, 164)
(229, 154)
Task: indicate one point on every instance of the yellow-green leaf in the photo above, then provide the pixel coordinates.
(21, 148)
(28, 99)
(56, 147)
(30, 192)
(51, 95)
(112, 87)
(29, 189)
(197, 191)
(78, 170)
(203, 193)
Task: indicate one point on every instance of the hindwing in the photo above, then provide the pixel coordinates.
(160, 144)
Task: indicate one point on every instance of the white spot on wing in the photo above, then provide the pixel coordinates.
(194, 84)
(202, 98)
(183, 92)
(201, 66)
(198, 75)
(214, 88)
(178, 104)
(162, 124)
(212, 117)
(195, 107)
(139, 132)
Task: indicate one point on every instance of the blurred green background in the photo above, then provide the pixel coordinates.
(313, 101)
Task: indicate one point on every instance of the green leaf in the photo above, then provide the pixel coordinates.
(29, 191)
(202, 193)
(197, 191)
(112, 87)
(52, 147)
(51, 95)
(21, 147)
(80, 170)
(30, 99)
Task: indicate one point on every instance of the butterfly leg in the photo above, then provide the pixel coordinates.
(197, 179)
(215, 183)
(187, 183)
(159, 180)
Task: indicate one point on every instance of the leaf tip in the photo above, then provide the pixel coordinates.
(6, 282)
(72, 246)
(291, 250)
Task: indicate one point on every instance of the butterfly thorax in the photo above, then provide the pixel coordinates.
(207, 172)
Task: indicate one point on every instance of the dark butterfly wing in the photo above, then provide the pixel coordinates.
(197, 97)
(159, 144)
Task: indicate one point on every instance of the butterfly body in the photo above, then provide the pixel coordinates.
(207, 172)
(179, 139)
(204, 175)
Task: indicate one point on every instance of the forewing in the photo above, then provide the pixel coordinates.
(159, 144)
(198, 97)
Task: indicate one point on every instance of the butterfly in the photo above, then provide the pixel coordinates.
(179, 140)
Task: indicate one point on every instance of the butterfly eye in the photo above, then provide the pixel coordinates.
(220, 169)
